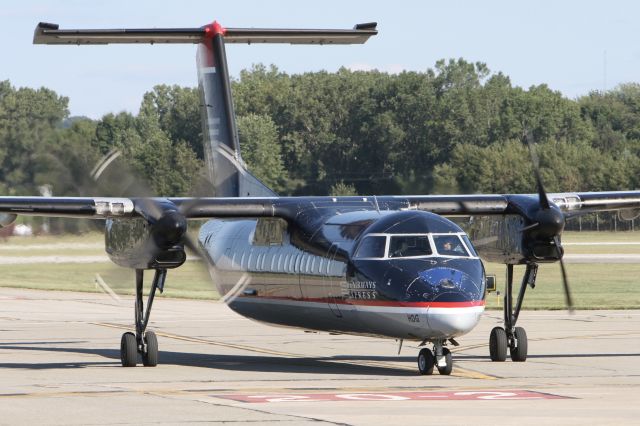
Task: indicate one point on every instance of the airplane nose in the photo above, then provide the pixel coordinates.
(456, 300)
(446, 284)
(455, 319)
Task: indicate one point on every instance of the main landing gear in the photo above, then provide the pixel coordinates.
(515, 338)
(440, 358)
(143, 342)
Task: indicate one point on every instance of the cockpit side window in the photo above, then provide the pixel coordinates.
(409, 246)
(469, 246)
(372, 246)
(449, 245)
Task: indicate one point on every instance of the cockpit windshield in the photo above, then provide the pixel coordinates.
(391, 246)
(450, 245)
(373, 246)
(409, 246)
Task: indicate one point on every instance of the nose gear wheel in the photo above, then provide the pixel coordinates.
(440, 358)
(426, 362)
(446, 366)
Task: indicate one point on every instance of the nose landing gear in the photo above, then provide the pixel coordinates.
(512, 337)
(143, 342)
(442, 360)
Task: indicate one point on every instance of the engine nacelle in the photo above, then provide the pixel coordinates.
(528, 236)
(147, 243)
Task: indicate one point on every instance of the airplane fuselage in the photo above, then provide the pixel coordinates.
(349, 275)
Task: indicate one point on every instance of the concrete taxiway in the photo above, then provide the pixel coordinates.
(59, 364)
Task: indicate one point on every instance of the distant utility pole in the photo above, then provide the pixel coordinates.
(46, 191)
(604, 72)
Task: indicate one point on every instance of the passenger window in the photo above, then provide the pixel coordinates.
(297, 267)
(449, 245)
(291, 264)
(372, 246)
(409, 246)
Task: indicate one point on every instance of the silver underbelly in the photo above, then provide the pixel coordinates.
(399, 322)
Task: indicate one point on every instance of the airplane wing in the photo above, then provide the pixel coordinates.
(571, 203)
(119, 207)
(574, 203)
(80, 207)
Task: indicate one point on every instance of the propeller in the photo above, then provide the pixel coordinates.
(169, 223)
(549, 221)
(565, 282)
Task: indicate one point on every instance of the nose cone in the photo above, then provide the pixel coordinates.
(456, 294)
(451, 321)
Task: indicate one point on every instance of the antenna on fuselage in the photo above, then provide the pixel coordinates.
(375, 201)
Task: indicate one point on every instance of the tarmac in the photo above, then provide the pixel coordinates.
(59, 364)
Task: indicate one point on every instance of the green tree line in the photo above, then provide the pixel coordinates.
(455, 128)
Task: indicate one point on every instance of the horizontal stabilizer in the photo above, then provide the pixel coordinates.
(46, 33)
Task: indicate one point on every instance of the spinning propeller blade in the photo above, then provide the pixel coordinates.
(545, 205)
(565, 280)
(114, 175)
(542, 195)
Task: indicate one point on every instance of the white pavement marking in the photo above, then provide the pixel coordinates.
(604, 243)
(21, 260)
(602, 258)
(53, 246)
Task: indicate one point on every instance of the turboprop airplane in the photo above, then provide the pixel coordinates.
(386, 266)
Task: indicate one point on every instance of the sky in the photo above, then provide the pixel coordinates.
(572, 46)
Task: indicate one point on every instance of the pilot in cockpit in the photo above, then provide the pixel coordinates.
(401, 249)
(450, 247)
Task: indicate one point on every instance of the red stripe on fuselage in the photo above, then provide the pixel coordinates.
(465, 304)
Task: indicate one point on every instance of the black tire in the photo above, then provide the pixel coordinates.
(498, 345)
(150, 357)
(426, 362)
(447, 369)
(128, 350)
(520, 347)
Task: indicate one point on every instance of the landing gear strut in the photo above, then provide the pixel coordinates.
(515, 338)
(142, 342)
(439, 358)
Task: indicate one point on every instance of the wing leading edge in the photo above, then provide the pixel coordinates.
(575, 203)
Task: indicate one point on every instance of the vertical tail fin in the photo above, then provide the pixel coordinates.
(225, 167)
